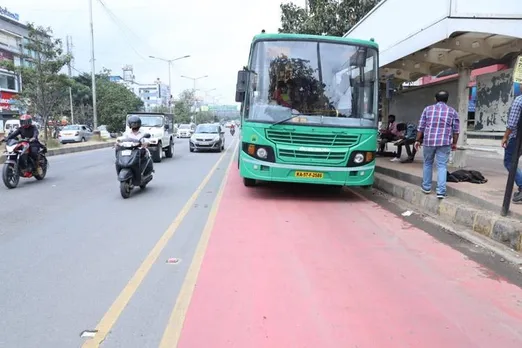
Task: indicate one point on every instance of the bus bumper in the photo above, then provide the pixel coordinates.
(343, 176)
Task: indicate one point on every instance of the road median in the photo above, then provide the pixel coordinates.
(73, 148)
(462, 209)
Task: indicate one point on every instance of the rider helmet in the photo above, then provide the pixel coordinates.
(26, 121)
(134, 122)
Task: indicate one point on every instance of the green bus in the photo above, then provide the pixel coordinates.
(309, 110)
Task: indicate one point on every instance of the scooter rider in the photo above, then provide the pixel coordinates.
(134, 123)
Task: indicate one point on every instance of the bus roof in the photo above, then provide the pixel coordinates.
(338, 39)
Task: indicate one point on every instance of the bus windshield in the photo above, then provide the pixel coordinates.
(316, 83)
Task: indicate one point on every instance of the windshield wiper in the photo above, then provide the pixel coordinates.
(288, 118)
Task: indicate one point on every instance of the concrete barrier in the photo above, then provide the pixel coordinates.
(72, 149)
(507, 231)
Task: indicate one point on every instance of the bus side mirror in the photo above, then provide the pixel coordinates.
(241, 85)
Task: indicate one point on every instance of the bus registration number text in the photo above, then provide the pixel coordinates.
(309, 175)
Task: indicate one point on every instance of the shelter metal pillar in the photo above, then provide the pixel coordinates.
(459, 156)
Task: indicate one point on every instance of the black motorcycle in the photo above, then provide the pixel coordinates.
(18, 163)
(133, 165)
(232, 131)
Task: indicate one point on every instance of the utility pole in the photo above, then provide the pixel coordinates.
(194, 79)
(169, 62)
(93, 70)
(69, 68)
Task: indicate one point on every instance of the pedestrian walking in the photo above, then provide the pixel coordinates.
(509, 144)
(439, 125)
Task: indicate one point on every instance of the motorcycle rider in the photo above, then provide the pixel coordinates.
(232, 129)
(28, 131)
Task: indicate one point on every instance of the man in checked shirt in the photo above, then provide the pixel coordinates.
(509, 144)
(440, 125)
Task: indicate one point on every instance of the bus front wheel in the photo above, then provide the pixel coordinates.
(249, 182)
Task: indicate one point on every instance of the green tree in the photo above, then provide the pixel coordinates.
(205, 117)
(324, 17)
(183, 106)
(161, 109)
(44, 86)
(114, 101)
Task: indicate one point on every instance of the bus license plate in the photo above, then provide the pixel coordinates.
(126, 152)
(309, 175)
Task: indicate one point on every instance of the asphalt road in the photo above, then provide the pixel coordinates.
(270, 266)
(70, 243)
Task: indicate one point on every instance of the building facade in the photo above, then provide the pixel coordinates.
(13, 39)
(153, 95)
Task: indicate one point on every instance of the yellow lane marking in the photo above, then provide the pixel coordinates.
(114, 312)
(174, 327)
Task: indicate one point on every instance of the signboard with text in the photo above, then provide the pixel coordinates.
(8, 103)
(4, 12)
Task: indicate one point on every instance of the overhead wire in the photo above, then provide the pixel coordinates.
(122, 27)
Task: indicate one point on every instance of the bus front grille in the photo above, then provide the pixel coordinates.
(312, 156)
(311, 139)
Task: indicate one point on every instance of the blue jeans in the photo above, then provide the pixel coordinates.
(508, 157)
(441, 155)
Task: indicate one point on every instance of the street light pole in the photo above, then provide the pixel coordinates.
(93, 71)
(169, 62)
(194, 79)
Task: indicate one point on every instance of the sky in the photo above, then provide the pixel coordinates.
(216, 34)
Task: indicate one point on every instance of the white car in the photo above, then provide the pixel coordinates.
(184, 131)
(104, 133)
(74, 133)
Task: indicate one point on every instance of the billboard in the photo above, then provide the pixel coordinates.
(8, 103)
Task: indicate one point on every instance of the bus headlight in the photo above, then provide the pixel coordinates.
(359, 158)
(262, 153)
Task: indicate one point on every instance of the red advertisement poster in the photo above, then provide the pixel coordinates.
(5, 55)
(7, 102)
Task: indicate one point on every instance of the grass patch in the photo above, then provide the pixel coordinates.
(52, 143)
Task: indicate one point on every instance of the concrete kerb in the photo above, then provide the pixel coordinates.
(73, 149)
(453, 192)
(503, 230)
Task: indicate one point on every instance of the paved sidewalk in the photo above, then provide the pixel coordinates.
(475, 206)
(490, 195)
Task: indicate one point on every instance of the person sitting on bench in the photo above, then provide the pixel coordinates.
(389, 134)
(408, 139)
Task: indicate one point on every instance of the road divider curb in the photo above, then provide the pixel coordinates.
(500, 229)
(72, 149)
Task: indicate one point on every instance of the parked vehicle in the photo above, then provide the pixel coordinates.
(18, 163)
(160, 126)
(104, 133)
(74, 133)
(208, 137)
(133, 165)
(10, 126)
